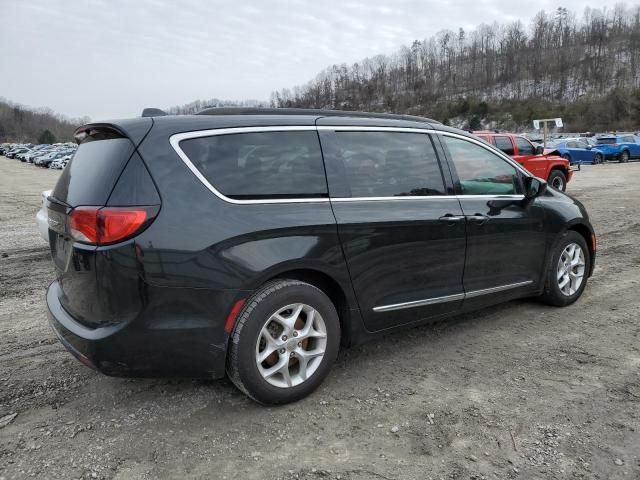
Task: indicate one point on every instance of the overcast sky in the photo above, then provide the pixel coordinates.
(108, 58)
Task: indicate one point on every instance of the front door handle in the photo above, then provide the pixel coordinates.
(478, 218)
(452, 219)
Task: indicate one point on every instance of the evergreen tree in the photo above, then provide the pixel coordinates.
(46, 137)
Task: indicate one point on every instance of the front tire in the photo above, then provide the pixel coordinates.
(567, 274)
(284, 343)
(597, 159)
(557, 180)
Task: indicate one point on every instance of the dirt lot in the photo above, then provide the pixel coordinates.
(517, 391)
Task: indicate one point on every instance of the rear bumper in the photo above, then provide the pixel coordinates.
(142, 347)
(610, 153)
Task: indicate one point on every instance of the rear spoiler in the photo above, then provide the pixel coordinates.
(133, 128)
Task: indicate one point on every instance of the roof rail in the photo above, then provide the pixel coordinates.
(309, 111)
(153, 112)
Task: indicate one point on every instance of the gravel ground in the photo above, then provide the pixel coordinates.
(521, 390)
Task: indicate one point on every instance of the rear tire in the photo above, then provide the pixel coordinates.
(274, 348)
(570, 262)
(557, 180)
(624, 156)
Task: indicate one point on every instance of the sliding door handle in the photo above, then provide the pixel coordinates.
(478, 218)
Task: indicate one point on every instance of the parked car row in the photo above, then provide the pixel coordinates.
(45, 155)
(577, 150)
(595, 149)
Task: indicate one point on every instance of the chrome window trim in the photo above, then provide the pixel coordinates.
(369, 128)
(175, 140)
(429, 197)
(451, 298)
(378, 199)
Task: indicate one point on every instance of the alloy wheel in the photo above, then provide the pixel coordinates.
(571, 267)
(291, 345)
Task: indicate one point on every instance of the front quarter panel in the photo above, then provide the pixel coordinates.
(563, 213)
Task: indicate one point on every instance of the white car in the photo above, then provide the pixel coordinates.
(60, 163)
(42, 217)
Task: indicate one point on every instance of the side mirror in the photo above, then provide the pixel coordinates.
(534, 187)
(589, 147)
(539, 150)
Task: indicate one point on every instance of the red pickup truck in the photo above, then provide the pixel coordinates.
(553, 168)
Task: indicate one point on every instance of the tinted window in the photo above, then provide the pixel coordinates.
(260, 165)
(504, 144)
(481, 172)
(628, 139)
(382, 164)
(524, 146)
(607, 141)
(92, 172)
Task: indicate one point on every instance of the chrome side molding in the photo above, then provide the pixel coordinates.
(487, 291)
(451, 298)
(419, 303)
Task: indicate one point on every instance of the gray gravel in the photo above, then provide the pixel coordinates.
(516, 391)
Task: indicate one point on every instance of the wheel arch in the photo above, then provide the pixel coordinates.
(560, 167)
(332, 288)
(589, 237)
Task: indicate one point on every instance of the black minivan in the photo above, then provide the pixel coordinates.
(257, 242)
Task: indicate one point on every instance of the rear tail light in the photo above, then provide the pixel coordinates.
(106, 225)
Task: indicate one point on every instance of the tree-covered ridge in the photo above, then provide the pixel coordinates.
(586, 69)
(198, 105)
(21, 124)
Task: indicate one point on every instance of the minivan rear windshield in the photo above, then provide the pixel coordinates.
(93, 171)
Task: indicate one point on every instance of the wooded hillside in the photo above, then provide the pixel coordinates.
(585, 69)
(20, 124)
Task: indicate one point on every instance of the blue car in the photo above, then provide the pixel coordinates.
(619, 147)
(578, 151)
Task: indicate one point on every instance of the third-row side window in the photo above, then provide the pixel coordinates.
(263, 165)
(382, 164)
